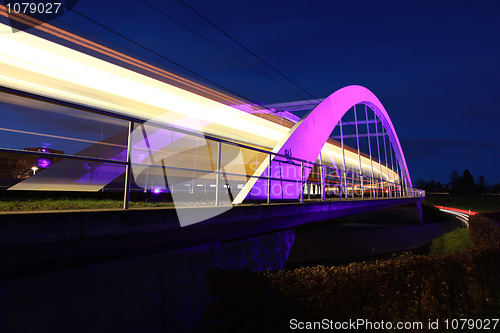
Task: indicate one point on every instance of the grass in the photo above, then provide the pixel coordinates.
(481, 204)
(478, 204)
(453, 241)
(67, 204)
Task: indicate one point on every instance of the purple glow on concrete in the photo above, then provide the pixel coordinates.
(43, 162)
(268, 251)
(308, 136)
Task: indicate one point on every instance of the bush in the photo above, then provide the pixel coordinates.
(484, 231)
(405, 288)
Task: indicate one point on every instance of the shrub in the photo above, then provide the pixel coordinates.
(405, 288)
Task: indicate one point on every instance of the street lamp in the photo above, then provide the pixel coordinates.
(34, 170)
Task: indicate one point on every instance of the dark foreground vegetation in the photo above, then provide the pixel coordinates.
(406, 288)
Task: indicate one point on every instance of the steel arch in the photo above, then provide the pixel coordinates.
(306, 139)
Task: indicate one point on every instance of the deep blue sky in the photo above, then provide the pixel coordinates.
(435, 65)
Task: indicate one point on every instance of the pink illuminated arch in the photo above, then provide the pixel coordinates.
(310, 134)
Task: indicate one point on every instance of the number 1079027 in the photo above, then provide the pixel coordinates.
(33, 8)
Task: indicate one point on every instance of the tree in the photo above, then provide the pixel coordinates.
(481, 184)
(431, 186)
(440, 187)
(422, 184)
(468, 180)
(463, 185)
(455, 179)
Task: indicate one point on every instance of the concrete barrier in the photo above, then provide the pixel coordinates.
(21, 228)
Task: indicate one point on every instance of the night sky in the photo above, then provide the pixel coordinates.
(435, 65)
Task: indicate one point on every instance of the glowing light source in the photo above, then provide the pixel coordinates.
(43, 162)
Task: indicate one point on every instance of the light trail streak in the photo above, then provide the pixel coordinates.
(54, 31)
(461, 214)
(464, 211)
(462, 217)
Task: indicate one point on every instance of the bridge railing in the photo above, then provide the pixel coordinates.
(139, 156)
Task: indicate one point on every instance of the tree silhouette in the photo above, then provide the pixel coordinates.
(481, 184)
(463, 185)
(455, 179)
(459, 185)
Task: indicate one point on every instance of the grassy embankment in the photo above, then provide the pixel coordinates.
(460, 239)
(67, 204)
(453, 241)
(481, 204)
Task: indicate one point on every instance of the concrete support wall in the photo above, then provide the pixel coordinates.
(164, 292)
(20, 228)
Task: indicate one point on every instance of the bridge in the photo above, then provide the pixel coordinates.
(80, 117)
(199, 145)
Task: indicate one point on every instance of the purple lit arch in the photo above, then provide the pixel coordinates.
(306, 139)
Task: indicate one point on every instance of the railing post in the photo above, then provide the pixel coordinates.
(339, 174)
(309, 186)
(362, 187)
(352, 185)
(301, 181)
(217, 180)
(322, 171)
(128, 168)
(269, 181)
